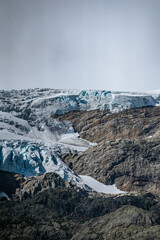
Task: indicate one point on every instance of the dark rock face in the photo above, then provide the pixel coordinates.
(33, 185)
(127, 222)
(9, 182)
(19, 188)
(47, 207)
(132, 164)
(128, 149)
(68, 213)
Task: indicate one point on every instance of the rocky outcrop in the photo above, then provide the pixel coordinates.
(47, 207)
(97, 125)
(128, 149)
(33, 185)
(19, 188)
(127, 222)
(65, 213)
(131, 164)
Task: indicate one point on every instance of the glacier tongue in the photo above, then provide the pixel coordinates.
(32, 140)
(32, 158)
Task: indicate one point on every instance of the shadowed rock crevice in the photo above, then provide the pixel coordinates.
(9, 182)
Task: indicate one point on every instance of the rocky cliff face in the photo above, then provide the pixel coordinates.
(127, 151)
(97, 125)
(131, 164)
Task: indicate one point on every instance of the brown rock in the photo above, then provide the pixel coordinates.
(128, 149)
(97, 125)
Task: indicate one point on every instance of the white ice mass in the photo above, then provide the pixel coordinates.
(100, 187)
(32, 140)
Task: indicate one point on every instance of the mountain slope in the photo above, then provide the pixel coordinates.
(50, 136)
(127, 150)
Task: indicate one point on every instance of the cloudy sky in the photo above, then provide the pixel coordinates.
(86, 44)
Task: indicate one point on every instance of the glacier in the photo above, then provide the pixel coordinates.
(32, 140)
(32, 159)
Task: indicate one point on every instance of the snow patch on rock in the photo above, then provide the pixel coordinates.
(100, 187)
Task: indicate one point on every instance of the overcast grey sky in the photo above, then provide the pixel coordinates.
(86, 44)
